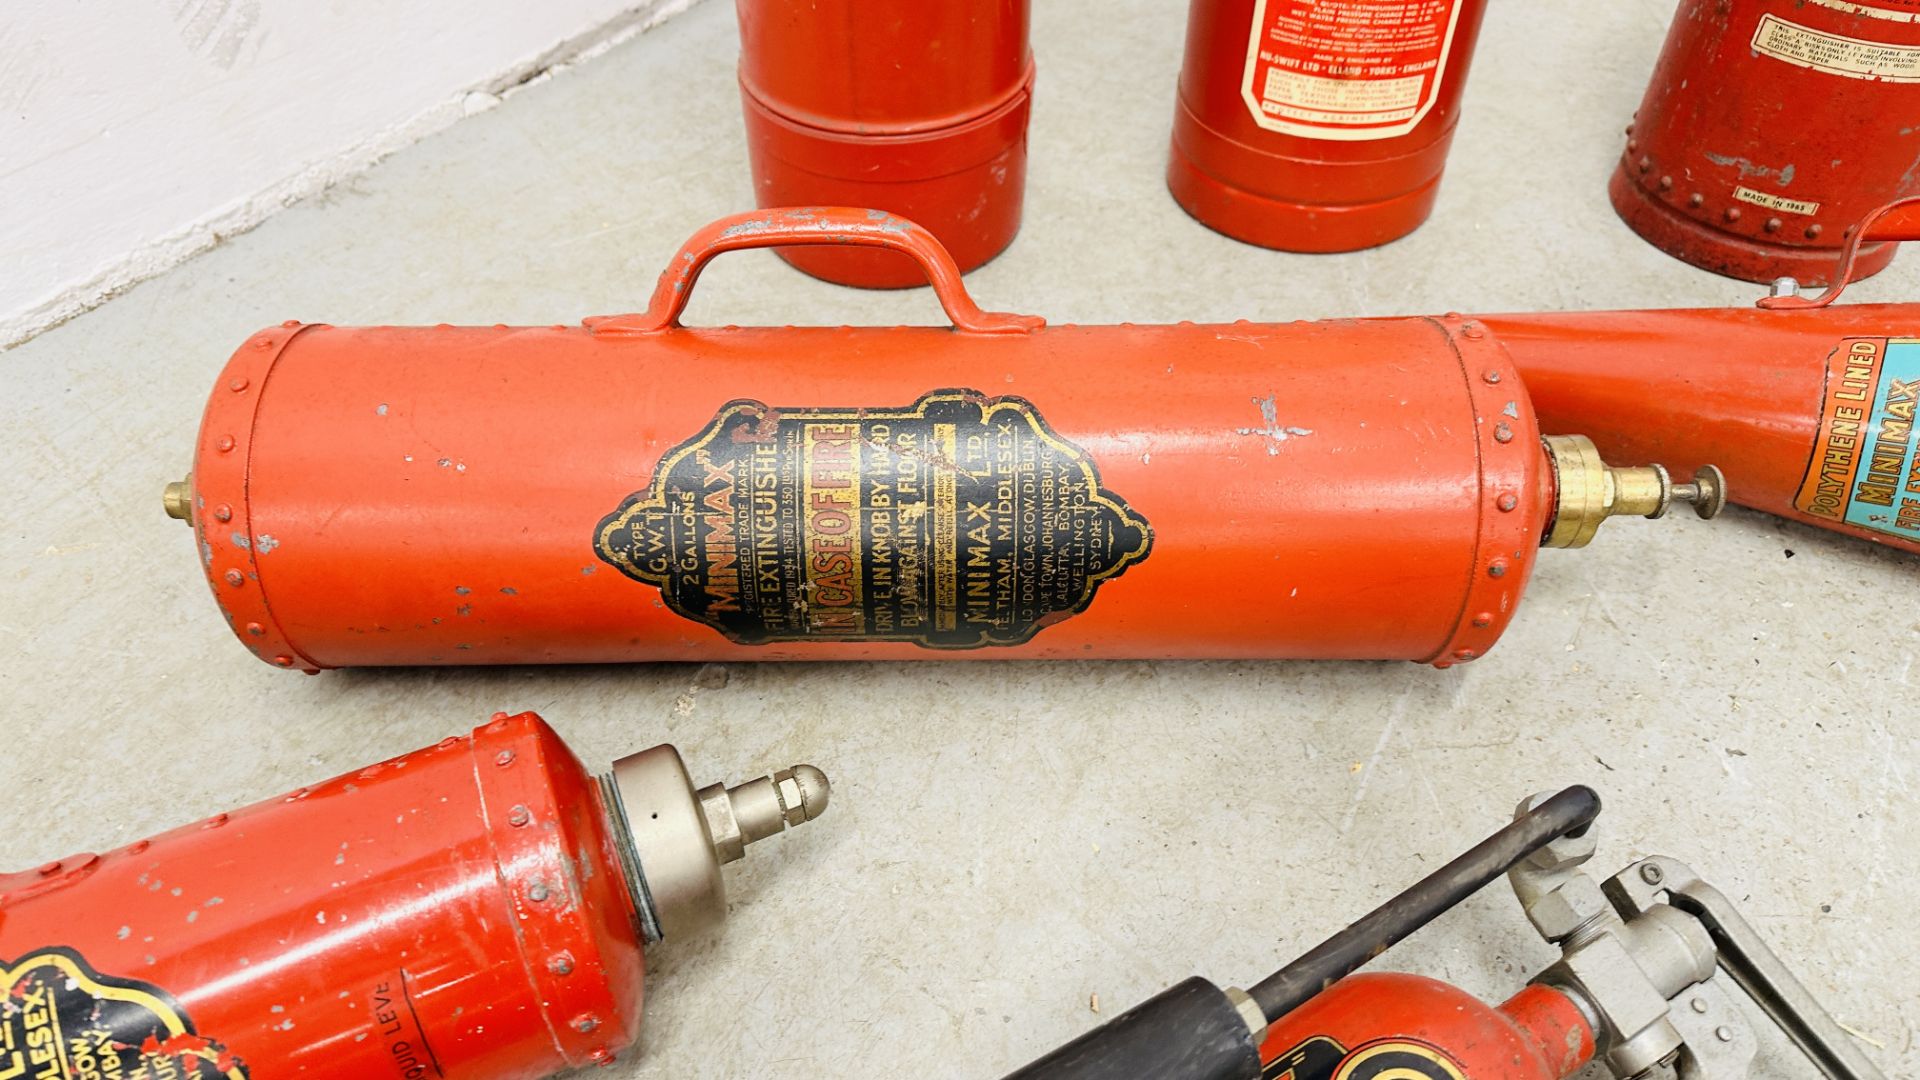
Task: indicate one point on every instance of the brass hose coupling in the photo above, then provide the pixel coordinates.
(1591, 491)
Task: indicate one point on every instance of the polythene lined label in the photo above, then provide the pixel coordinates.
(1322, 1057)
(61, 1020)
(956, 522)
(1348, 70)
(1865, 471)
(1836, 54)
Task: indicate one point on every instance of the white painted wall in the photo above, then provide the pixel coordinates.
(134, 133)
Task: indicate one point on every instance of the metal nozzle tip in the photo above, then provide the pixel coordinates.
(178, 500)
(814, 792)
(1707, 493)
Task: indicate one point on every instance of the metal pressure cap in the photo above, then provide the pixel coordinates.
(682, 836)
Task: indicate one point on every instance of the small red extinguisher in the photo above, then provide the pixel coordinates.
(475, 909)
(1318, 125)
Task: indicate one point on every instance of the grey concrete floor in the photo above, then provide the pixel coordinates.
(1007, 840)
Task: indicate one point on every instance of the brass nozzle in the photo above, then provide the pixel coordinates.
(681, 837)
(178, 499)
(1591, 491)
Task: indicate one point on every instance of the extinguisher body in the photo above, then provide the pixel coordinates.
(1769, 129)
(920, 110)
(385, 495)
(1810, 412)
(1408, 1027)
(1318, 125)
(460, 911)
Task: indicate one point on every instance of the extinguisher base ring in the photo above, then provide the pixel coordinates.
(1700, 244)
(1286, 225)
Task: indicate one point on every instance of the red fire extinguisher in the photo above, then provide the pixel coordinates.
(633, 489)
(1652, 962)
(1318, 125)
(1808, 406)
(1769, 129)
(917, 109)
(472, 910)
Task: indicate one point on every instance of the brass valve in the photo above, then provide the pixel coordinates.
(1591, 491)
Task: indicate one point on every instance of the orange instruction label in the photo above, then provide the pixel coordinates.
(1348, 70)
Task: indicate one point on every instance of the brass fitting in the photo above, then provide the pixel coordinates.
(678, 838)
(1591, 491)
(178, 499)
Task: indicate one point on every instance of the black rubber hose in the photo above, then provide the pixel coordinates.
(1569, 812)
(1191, 1032)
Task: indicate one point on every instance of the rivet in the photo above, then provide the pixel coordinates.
(214, 822)
(600, 1057)
(1491, 376)
(451, 740)
(237, 385)
(1723, 1033)
(223, 512)
(1666, 183)
(503, 758)
(1773, 224)
(50, 869)
(224, 443)
(537, 892)
(1632, 144)
(1485, 618)
(139, 846)
(1696, 199)
(1814, 231)
(518, 816)
(560, 964)
(1652, 874)
(291, 323)
(1463, 654)
(236, 579)
(1699, 1005)
(296, 795)
(1506, 503)
(1733, 213)
(1497, 568)
(256, 629)
(283, 661)
(263, 343)
(1502, 432)
(1646, 164)
(1473, 331)
(585, 1024)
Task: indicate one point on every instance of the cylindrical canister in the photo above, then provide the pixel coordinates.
(472, 910)
(1810, 411)
(1770, 129)
(1318, 125)
(637, 490)
(917, 109)
(1386, 1024)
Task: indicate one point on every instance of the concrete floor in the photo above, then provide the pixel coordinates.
(1007, 840)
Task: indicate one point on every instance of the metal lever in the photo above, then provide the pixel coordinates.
(1898, 220)
(1744, 955)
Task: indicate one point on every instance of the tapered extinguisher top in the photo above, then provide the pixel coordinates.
(674, 839)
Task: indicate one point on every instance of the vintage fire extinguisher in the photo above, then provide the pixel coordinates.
(1650, 963)
(1318, 125)
(916, 109)
(1769, 129)
(1809, 407)
(474, 910)
(637, 490)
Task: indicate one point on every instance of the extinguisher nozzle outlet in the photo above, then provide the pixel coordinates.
(1589, 491)
(178, 500)
(679, 837)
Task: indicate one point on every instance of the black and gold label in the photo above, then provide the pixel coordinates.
(957, 522)
(61, 1020)
(1323, 1058)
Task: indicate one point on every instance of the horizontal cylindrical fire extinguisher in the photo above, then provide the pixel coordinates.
(1318, 125)
(637, 490)
(475, 910)
(1770, 128)
(1642, 985)
(916, 109)
(1809, 407)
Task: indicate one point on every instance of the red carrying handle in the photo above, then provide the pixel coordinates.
(799, 225)
(1898, 220)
